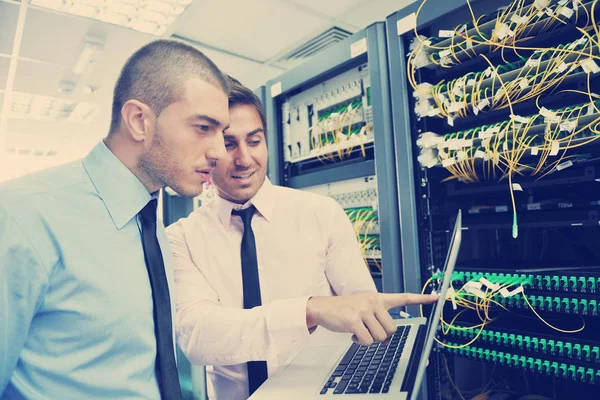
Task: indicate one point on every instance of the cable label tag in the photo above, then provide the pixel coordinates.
(549, 115)
(455, 107)
(485, 135)
(555, 148)
(501, 209)
(433, 112)
(499, 94)
(562, 67)
(482, 104)
(590, 65)
(534, 151)
(503, 31)
(493, 286)
(474, 288)
(505, 293)
(541, 4)
(524, 83)
(452, 294)
(450, 120)
(590, 109)
(445, 53)
(445, 60)
(448, 162)
(445, 33)
(479, 154)
(564, 165)
(517, 187)
(575, 6)
(518, 118)
(568, 126)
(534, 206)
(567, 12)
(516, 19)
(532, 63)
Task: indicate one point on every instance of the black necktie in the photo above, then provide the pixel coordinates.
(257, 370)
(166, 367)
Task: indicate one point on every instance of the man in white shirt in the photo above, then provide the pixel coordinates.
(236, 310)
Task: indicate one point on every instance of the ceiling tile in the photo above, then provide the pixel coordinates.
(119, 44)
(257, 29)
(259, 75)
(53, 37)
(4, 65)
(228, 63)
(332, 8)
(39, 78)
(9, 14)
(372, 11)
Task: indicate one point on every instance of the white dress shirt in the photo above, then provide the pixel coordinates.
(306, 246)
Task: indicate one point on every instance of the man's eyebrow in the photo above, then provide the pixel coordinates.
(251, 133)
(206, 118)
(254, 132)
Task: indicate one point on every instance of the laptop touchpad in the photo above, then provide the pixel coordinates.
(323, 356)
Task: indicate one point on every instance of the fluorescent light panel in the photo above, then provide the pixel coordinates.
(148, 16)
(36, 107)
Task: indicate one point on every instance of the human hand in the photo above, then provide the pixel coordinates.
(365, 315)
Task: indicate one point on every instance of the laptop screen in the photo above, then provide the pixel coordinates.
(436, 311)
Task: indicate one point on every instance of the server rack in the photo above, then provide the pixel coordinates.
(542, 249)
(295, 108)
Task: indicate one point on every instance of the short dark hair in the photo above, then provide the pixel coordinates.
(240, 95)
(155, 75)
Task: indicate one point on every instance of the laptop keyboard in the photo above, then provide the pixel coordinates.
(368, 369)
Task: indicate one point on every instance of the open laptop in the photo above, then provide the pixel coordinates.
(336, 367)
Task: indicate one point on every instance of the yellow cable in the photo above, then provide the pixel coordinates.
(544, 321)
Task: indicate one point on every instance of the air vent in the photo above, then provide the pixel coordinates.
(314, 46)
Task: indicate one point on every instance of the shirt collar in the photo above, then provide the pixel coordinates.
(121, 191)
(263, 201)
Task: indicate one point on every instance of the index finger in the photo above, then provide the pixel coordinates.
(393, 300)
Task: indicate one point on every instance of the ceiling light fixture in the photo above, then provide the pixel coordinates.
(43, 108)
(86, 56)
(148, 16)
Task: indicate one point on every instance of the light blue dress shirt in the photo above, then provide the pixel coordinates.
(75, 299)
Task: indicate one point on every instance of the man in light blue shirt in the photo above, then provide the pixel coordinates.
(79, 308)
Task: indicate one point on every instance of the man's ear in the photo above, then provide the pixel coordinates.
(138, 118)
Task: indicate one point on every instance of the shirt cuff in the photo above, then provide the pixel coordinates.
(287, 320)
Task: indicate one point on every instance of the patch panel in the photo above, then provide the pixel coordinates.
(565, 305)
(358, 198)
(570, 349)
(351, 193)
(555, 282)
(563, 370)
(330, 119)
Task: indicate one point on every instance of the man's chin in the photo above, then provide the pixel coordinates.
(189, 192)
